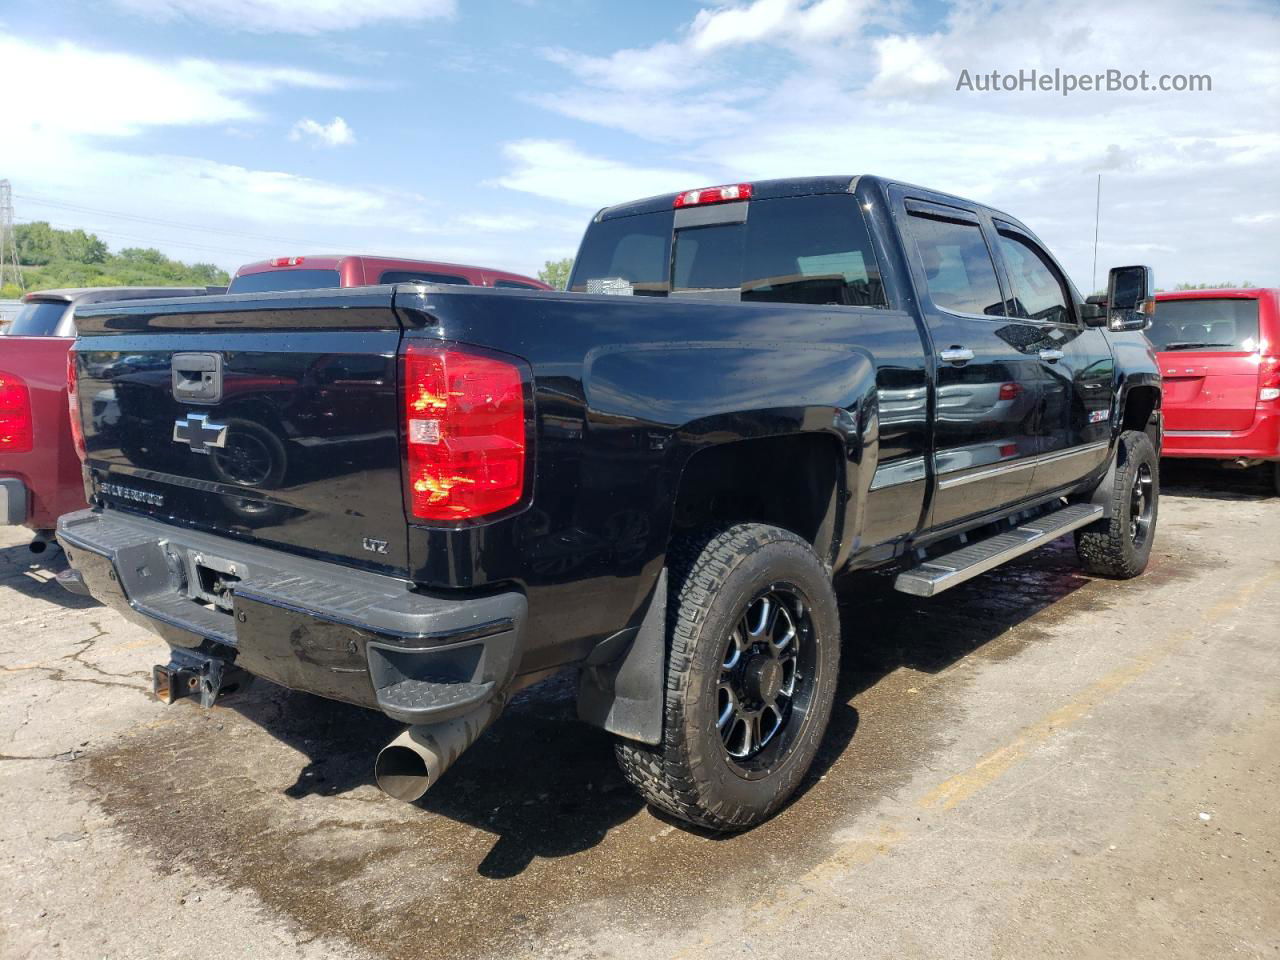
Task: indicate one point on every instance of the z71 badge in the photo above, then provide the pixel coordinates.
(1097, 416)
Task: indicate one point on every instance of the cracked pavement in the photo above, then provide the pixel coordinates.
(1036, 764)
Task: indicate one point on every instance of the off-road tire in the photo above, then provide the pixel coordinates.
(713, 577)
(1108, 547)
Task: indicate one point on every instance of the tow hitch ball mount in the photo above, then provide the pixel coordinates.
(195, 675)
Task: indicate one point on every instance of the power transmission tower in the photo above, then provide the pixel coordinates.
(10, 272)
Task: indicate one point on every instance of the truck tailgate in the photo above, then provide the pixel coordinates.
(251, 417)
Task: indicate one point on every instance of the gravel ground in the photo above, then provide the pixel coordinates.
(1035, 764)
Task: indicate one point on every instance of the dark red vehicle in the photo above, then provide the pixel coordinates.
(1219, 353)
(313, 272)
(39, 468)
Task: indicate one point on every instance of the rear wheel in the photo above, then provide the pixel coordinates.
(1120, 546)
(1275, 476)
(754, 641)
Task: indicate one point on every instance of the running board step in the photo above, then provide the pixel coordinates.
(943, 573)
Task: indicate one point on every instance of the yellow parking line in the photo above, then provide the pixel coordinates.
(992, 766)
(776, 908)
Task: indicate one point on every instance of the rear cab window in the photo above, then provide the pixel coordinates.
(422, 276)
(38, 318)
(270, 281)
(809, 249)
(1223, 324)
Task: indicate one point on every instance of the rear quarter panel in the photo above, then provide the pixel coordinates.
(627, 390)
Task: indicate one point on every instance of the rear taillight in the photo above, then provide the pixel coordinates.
(287, 261)
(15, 415)
(725, 194)
(1269, 379)
(1010, 391)
(464, 427)
(73, 406)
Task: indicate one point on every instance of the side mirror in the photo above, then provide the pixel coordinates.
(1093, 313)
(1131, 298)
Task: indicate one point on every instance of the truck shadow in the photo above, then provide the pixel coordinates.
(32, 574)
(546, 786)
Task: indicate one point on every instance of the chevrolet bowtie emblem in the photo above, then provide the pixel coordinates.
(196, 430)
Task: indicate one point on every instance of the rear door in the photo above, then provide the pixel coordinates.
(1208, 349)
(272, 418)
(989, 385)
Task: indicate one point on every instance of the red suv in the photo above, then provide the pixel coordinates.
(305, 273)
(1219, 354)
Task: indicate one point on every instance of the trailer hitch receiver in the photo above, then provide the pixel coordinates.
(190, 673)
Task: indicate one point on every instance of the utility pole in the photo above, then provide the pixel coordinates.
(10, 272)
(1097, 218)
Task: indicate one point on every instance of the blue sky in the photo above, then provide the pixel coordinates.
(489, 131)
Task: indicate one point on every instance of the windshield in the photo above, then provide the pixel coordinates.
(38, 318)
(1225, 324)
(271, 280)
(811, 249)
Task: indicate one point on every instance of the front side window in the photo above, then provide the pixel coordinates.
(957, 265)
(1038, 290)
(1220, 324)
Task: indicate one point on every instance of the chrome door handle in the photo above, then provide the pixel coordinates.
(955, 355)
(1053, 356)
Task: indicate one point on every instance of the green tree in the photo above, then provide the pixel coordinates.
(37, 243)
(555, 273)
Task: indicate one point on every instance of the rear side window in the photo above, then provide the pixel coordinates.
(421, 276)
(957, 265)
(1224, 324)
(272, 280)
(38, 318)
(1038, 290)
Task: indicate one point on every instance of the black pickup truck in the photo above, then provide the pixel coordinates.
(420, 498)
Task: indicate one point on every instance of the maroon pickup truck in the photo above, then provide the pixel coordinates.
(39, 468)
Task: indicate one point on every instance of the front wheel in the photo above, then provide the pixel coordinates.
(754, 649)
(1120, 546)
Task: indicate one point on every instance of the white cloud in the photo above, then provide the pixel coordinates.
(779, 88)
(76, 166)
(132, 93)
(289, 16)
(335, 133)
(560, 171)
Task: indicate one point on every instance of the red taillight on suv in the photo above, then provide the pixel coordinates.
(465, 432)
(15, 414)
(73, 406)
(1269, 379)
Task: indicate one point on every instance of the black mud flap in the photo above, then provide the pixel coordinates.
(623, 680)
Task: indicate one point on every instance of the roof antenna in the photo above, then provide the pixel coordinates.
(1097, 216)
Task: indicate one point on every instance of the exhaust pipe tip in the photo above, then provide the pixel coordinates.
(401, 772)
(411, 763)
